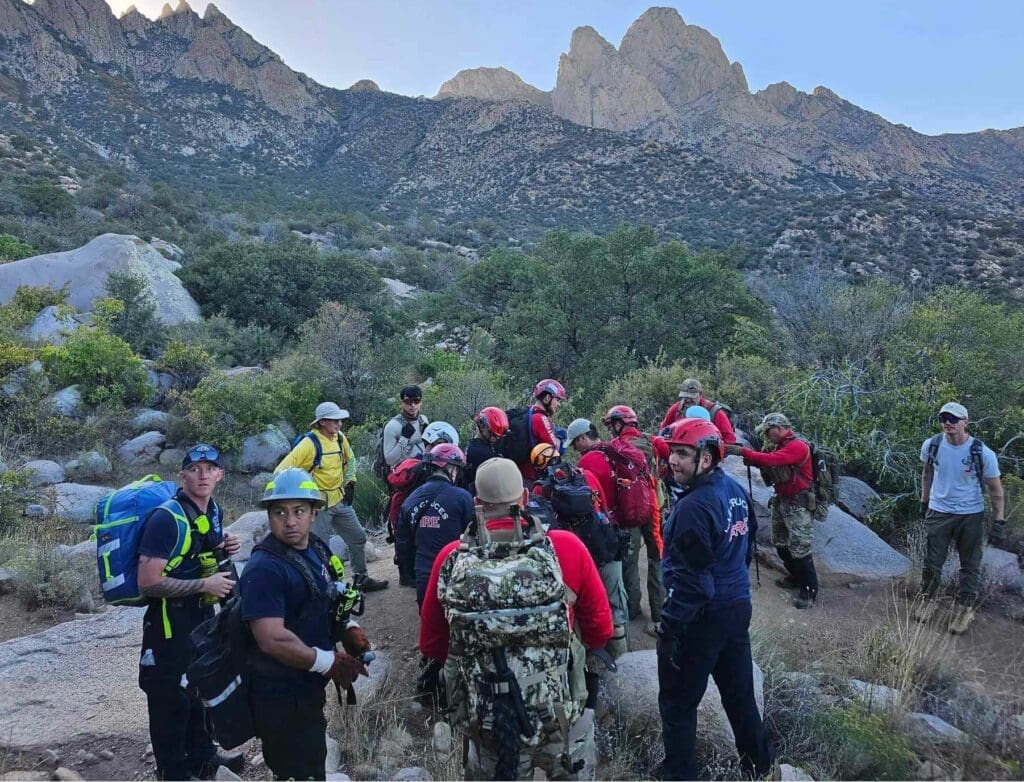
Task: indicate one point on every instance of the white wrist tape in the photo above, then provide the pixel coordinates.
(323, 662)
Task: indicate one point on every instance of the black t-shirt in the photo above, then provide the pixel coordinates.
(163, 538)
(272, 587)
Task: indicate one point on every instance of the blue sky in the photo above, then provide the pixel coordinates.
(938, 66)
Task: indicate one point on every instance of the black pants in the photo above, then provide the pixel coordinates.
(289, 720)
(717, 644)
(177, 727)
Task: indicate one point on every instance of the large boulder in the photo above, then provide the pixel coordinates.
(76, 502)
(51, 326)
(90, 466)
(66, 403)
(632, 693)
(250, 528)
(141, 450)
(21, 379)
(148, 420)
(48, 701)
(86, 269)
(855, 497)
(999, 569)
(845, 551)
(263, 451)
(43, 472)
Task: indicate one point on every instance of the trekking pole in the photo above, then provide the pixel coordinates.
(750, 496)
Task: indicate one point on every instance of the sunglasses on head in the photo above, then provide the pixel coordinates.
(202, 453)
(949, 418)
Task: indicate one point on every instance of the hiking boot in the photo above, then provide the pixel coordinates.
(787, 582)
(961, 620)
(233, 761)
(925, 610)
(806, 598)
(404, 581)
(366, 583)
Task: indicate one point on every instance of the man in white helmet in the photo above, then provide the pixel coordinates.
(324, 452)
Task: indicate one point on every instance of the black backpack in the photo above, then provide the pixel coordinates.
(518, 441)
(976, 456)
(226, 654)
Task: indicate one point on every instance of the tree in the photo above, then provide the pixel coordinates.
(48, 200)
(136, 323)
(13, 249)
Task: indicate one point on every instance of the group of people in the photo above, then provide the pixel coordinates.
(526, 571)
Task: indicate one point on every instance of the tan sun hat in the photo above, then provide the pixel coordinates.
(955, 408)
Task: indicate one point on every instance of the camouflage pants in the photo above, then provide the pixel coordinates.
(481, 762)
(792, 528)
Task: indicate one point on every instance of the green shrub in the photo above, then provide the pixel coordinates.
(862, 745)
(15, 494)
(45, 578)
(13, 249)
(48, 200)
(25, 304)
(225, 410)
(102, 364)
(13, 356)
(188, 363)
(371, 499)
(136, 323)
(649, 390)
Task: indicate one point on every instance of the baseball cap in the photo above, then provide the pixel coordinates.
(499, 482)
(201, 452)
(691, 389)
(772, 419)
(578, 427)
(955, 408)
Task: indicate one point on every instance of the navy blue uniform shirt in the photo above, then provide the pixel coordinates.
(433, 516)
(708, 545)
(272, 587)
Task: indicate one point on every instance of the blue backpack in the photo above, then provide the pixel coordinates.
(119, 518)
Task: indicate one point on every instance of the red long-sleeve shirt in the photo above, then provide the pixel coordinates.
(720, 419)
(590, 612)
(793, 452)
(596, 463)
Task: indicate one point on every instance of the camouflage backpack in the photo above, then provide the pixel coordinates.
(508, 671)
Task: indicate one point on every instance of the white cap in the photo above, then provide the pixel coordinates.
(330, 412)
(954, 408)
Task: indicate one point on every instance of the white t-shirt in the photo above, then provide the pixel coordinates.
(955, 487)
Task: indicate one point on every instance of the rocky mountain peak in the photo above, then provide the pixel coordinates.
(165, 13)
(684, 62)
(599, 88)
(492, 84)
(364, 85)
(89, 23)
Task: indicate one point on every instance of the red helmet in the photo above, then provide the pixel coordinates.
(549, 386)
(622, 413)
(446, 455)
(494, 419)
(697, 433)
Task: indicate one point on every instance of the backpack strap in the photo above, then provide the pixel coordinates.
(293, 557)
(318, 449)
(529, 427)
(978, 460)
(933, 449)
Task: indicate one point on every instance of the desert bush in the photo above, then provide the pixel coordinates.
(188, 363)
(15, 494)
(48, 200)
(371, 498)
(649, 390)
(136, 323)
(102, 364)
(858, 744)
(13, 356)
(44, 578)
(25, 304)
(13, 249)
(226, 410)
(457, 394)
(231, 345)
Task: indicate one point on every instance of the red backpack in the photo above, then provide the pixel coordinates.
(634, 493)
(403, 480)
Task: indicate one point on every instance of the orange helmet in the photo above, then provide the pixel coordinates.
(542, 455)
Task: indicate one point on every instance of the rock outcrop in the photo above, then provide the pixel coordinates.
(493, 84)
(86, 269)
(599, 88)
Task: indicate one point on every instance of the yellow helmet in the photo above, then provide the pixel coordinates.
(542, 454)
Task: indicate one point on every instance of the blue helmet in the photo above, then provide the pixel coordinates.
(697, 411)
(291, 484)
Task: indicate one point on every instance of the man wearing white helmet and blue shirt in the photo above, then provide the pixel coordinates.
(324, 452)
(957, 470)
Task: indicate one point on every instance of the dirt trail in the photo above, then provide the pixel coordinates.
(81, 696)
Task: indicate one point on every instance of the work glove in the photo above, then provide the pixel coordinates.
(997, 534)
(429, 680)
(408, 430)
(345, 670)
(350, 492)
(355, 641)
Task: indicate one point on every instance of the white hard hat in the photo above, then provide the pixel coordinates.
(330, 412)
(440, 432)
